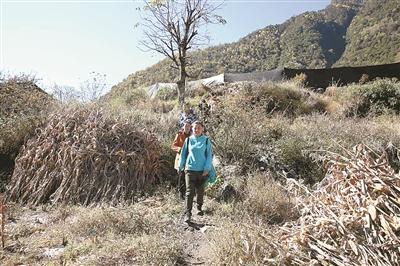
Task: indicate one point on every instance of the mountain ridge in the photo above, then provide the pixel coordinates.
(315, 39)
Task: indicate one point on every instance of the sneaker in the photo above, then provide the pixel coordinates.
(187, 218)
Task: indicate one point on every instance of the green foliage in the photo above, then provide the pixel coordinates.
(372, 37)
(312, 39)
(378, 97)
(167, 94)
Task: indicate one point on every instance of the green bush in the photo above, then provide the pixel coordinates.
(287, 98)
(166, 94)
(377, 97)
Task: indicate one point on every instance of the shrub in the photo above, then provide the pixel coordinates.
(135, 96)
(377, 97)
(265, 199)
(166, 94)
(284, 97)
(23, 107)
(300, 79)
(248, 227)
(236, 135)
(288, 146)
(252, 127)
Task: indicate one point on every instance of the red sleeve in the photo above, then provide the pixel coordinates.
(176, 145)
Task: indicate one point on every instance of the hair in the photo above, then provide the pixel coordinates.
(198, 122)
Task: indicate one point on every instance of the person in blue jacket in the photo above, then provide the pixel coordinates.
(196, 160)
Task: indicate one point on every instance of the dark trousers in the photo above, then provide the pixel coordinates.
(181, 188)
(195, 184)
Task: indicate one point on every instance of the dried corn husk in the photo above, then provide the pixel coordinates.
(83, 156)
(352, 218)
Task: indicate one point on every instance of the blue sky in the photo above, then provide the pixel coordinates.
(63, 41)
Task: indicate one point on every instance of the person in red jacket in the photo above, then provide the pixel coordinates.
(176, 146)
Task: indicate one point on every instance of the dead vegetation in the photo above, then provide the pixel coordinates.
(139, 234)
(354, 217)
(22, 104)
(351, 218)
(84, 156)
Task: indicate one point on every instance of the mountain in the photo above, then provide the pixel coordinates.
(346, 32)
(374, 35)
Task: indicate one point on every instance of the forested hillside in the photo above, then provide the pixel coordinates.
(346, 32)
(374, 35)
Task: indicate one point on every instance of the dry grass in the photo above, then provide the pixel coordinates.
(260, 200)
(249, 244)
(266, 200)
(351, 218)
(246, 228)
(142, 234)
(23, 107)
(84, 156)
(282, 145)
(164, 125)
(287, 98)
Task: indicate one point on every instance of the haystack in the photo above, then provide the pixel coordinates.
(83, 156)
(352, 218)
(356, 212)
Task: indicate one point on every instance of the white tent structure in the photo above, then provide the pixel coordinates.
(191, 85)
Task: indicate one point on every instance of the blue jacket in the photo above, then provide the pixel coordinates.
(199, 156)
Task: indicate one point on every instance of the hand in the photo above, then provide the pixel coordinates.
(205, 173)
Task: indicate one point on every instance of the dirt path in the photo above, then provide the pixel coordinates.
(197, 247)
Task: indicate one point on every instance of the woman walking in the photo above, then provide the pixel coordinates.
(176, 146)
(196, 159)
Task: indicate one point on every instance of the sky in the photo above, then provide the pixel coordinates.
(63, 41)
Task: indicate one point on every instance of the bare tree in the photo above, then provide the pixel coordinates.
(64, 93)
(172, 27)
(92, 88)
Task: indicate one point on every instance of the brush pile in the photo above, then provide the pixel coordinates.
(356, 212)
(83, 156)
(353, 218)
(22, 104)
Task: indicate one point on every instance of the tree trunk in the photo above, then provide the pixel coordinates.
(182, 84)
